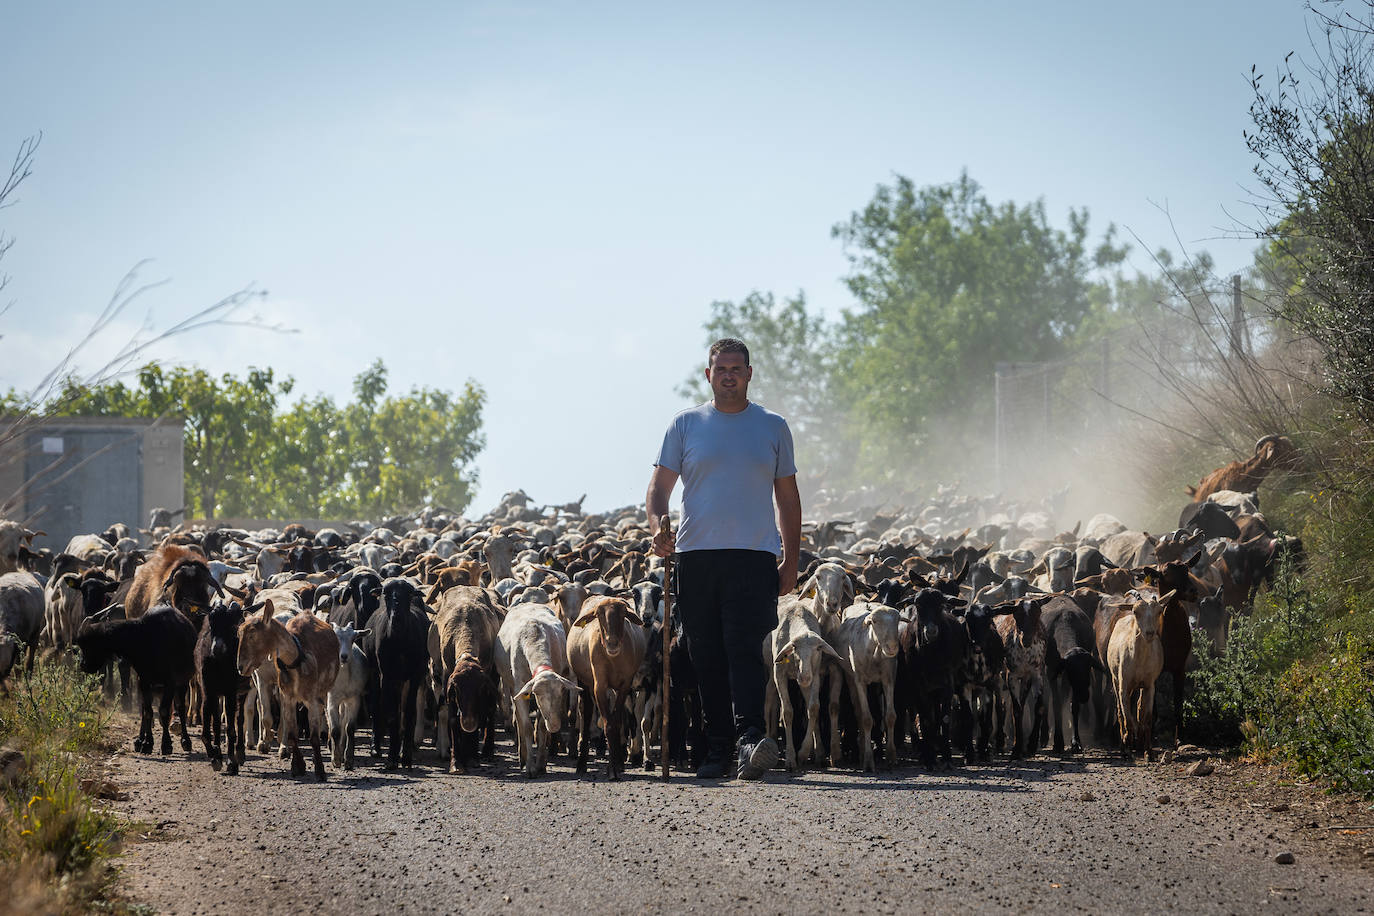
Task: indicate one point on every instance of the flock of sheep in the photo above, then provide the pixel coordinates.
(963, 624)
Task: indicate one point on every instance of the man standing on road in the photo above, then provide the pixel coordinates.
(734, 458)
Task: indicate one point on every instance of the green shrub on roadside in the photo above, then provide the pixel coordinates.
(1323, 724)
(54, 838)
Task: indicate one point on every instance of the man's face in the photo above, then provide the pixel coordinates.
(729, 376)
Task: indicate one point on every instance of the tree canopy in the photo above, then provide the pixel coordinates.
(947, 285)
(246, 455)
(1313, 140)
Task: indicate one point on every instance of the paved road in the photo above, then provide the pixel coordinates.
(1089, 835)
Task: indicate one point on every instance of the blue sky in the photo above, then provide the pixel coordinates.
(545, 198)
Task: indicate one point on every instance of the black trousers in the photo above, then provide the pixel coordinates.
(728, 601)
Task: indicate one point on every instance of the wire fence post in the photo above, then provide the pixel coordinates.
(997, 423)
(1237, 320)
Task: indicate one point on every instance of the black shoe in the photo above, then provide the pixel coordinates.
(713, 768)
(757, 755)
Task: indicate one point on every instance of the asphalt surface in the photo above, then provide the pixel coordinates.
(1089, 834)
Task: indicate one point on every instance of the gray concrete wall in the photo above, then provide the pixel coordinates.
(164, 477)
(160, 461)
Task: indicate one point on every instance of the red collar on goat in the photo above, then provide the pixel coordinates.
(538, 669)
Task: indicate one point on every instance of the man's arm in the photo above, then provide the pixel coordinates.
(789, 525)
(656, 504)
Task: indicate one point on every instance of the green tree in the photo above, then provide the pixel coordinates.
(1313, 141)
(247, 457)
(949, 284)
(407, 451)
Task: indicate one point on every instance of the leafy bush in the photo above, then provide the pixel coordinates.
(53, 838)
(1324, 721)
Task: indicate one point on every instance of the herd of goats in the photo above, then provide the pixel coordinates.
(968, 624)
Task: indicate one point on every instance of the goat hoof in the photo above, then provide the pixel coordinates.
(320, 775)
(216, 764)
(166, 748)
(298, 771)
(232, 769)
(264, 747)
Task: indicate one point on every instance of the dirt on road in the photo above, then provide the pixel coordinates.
(1090, 834)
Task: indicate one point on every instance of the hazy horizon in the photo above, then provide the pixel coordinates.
(546, 198)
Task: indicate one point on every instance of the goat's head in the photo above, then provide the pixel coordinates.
(805, 653)
(347, 637)
(978, 623)
(13, 536)
(257, 636)
(188, 585)
(832, 588)
(1213, 619)
(397, 595)
(469, 690)
(1025, 613)
(549, 690)
(95, 588)
(930, 616)
(1149, 611)
(610, 613)
(1276, 451)
(222, 626)
(884, 624)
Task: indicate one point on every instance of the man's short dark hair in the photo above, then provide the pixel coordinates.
(727, 345)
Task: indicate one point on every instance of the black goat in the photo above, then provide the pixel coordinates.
(222, 689)
(1070, 655)
(980, 689)
(159, 646)
(398, 646)
(356, 600)
(941, 647)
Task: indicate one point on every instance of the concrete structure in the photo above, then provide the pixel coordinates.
(79, 475)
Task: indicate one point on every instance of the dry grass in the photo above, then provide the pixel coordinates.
(55, 839)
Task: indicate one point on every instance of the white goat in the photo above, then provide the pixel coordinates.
(868, 640)
(797, 651)
(532, 656)
(346, 696)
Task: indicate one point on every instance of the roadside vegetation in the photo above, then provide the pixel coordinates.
(1296, 683)
(56, 837)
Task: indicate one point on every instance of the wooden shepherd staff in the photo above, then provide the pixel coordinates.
(666, 524)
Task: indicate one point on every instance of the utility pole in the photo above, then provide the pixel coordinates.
(1106, 385)
(1237, 320)
(997, 422)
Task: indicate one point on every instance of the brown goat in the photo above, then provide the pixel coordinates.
(605, 649)
(447, 577)
(305, 651)
(1271, 452)
(177, 575)
(461, 656)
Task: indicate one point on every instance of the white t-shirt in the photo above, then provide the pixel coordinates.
(728, 462)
